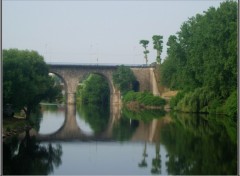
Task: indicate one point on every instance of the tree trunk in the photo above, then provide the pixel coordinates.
(158, 57)
(27, 112)
(146, 59)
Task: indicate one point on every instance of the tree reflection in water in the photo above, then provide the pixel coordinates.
(143, 162)
(96, 116)
(156, 162)
(124, 129)
(200, 145)
(29, 157)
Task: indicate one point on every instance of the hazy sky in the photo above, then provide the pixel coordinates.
(87, 31)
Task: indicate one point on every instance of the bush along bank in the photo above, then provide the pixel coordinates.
(142, 100)
(201, 100)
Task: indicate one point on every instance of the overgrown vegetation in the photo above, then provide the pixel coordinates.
(125, 80)
(94, 90)
(202, 62)
(144, 98)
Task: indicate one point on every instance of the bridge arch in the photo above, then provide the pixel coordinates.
(62, 79)
(105, 76)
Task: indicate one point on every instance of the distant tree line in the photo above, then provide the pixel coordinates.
(202, 62)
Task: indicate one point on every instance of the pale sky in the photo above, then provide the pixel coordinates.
(94, 31)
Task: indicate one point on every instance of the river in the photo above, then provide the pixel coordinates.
(93, 140)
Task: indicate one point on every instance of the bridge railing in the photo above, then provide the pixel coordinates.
(98, 64)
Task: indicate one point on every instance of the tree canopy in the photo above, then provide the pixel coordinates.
(157, 45)
(95, 89)
(203, 54)
(145, 43)
(25, 79)
(124, 79)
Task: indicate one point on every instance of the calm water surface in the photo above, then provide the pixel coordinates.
(95, 140)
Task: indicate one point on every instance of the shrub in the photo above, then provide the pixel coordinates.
(125, 80)
(174, 100)
(230, 106)
(200, 100)
(145, 98)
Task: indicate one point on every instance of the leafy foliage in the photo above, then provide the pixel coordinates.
(145, 98)
(230, 105)
(203, 54)
(157, 45)
(145, 52)
(25, 80)
(94, 90)
(124, 79)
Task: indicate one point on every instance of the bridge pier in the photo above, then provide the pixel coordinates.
(71, 98)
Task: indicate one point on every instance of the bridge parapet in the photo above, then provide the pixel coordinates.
(101, 65)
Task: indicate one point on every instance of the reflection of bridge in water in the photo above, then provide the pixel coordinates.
(70, 131)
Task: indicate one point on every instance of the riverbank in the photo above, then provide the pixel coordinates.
(13, 126)
(136, 106)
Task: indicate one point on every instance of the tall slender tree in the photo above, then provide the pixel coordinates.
(145, 45)
(157, 45)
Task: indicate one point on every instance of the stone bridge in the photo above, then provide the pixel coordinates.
(72, 74)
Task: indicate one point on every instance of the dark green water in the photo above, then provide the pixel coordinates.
(93, 140)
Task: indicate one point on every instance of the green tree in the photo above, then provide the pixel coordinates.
(145, 52)
(157, 45)
(203, 54)
(25, 80)
(124, 79)
(94, 90)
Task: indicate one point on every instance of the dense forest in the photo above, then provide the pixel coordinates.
(201, 62)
